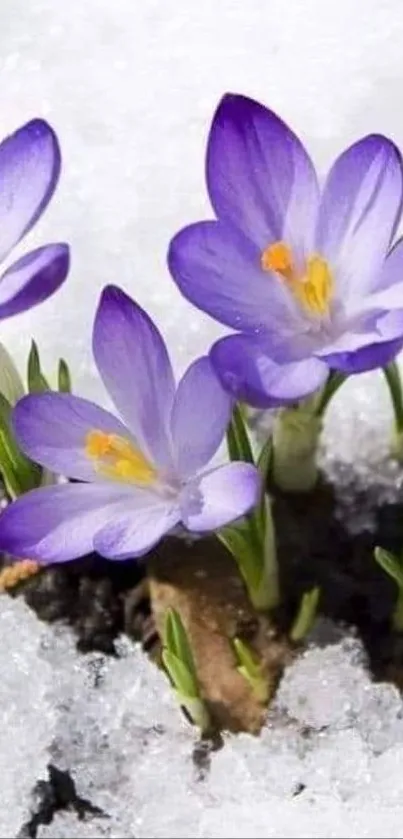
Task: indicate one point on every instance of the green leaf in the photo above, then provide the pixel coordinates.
(176, 641)
(394, 383)
(182, 679)
(334, 382)
(63, 377)
(19, 473)
(11, 385)
(36, 380)
(391, 564)
(178, 662)
(265, 459)
(250, 669)
(247, 659)
(306, 615)
(241, 542)
(239, 447)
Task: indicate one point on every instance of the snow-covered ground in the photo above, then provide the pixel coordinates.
(131, 86)
(328, 764)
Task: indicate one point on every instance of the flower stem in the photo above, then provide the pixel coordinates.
(306, 615)
(296, 437)
(331, 387)
(394, 383)
(397, 617)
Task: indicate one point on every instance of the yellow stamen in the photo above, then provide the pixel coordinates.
(117, 458)
(313, 289)
(278, 258)
(18, 572)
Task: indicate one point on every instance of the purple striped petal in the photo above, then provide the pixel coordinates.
(134, 364)
(218, 270)
(388, 293)
(136, 531)
(58, 523)
(259, 176)
(200, 415)
(250, 375)
(34, 278)
(359, 212)
(220, 496)
(52, 428)
(29, 171)
(366, 358)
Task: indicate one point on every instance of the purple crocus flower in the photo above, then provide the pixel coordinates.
(306, 273)
(29, 170)
(141, 476)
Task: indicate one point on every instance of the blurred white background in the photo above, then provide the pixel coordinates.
(131, 86)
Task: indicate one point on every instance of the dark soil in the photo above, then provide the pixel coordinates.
(101, 599)
(315, 548)
(50, 797)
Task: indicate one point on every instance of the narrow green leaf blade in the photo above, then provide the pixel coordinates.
(334, 382)
(19, 473)
(182, 679)
(245, 550)
(36, 380)
(264, 461)
(64, 377)
(11, 385)
(176, 641)
(306, 615)
(239, 447)
(391, 564)
(246, 659)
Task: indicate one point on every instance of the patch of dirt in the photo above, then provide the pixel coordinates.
(212, 602)
(315, 548)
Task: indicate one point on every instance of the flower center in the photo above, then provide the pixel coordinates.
(313, 288)
(117, 458)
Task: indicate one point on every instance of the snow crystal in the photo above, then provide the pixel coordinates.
(329, 761)
(27, 718)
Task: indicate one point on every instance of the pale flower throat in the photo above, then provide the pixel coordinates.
(117, 458)
(313, 288)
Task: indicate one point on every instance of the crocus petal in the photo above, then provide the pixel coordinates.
(218, 270)
(34, 278)
(250, 375)
(367, 358)
(220, 496)
(135, 532)
(58, 523)
(29, 171)
(200, 415)
(52, 428)
(259, 176)
(388, 293)
(359, 212)
(134, 364)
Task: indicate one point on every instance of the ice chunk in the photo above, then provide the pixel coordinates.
(328, 762)
(326, 687)
(28, 718)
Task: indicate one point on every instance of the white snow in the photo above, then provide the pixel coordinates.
(328, 763)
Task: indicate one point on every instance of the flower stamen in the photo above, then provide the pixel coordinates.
(118, 458)
(313, 288)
